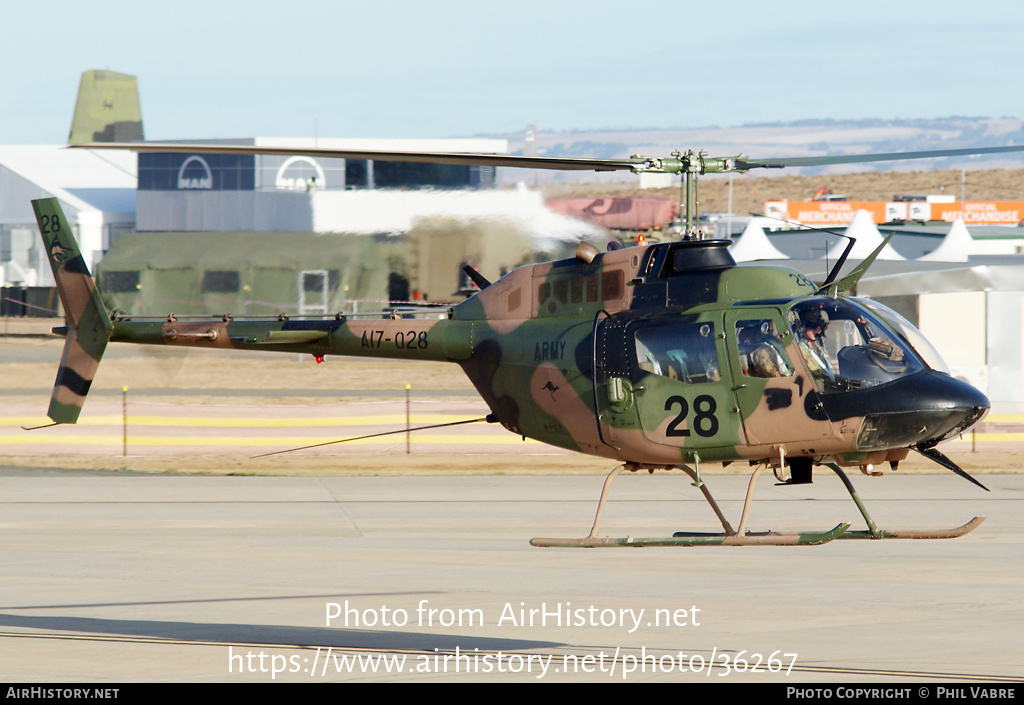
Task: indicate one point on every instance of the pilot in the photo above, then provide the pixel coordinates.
(813, 324)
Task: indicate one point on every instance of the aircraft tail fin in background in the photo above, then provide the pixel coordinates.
(107, 110)
(88, 322)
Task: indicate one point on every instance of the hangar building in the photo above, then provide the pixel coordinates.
(97, 192)
(110, 192)
(270, 193)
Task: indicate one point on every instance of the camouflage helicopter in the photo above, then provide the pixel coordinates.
(660, 357)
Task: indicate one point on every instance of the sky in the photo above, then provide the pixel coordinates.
(449, 68)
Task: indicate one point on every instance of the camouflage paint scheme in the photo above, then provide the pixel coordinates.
(551, 349)
(83, 311)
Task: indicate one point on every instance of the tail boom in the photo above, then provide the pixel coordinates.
(408, 339)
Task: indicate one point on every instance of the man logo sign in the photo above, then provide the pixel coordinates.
(296, 173)
(195, 174)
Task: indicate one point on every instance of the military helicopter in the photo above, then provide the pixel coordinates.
(660, 357)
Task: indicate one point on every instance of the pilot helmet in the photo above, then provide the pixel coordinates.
(815, 318)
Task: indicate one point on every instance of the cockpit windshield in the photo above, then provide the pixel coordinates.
(911, 335)
(848, 347)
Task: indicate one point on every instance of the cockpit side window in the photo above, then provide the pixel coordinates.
(847, 347)
(760, 349)
(682, 351)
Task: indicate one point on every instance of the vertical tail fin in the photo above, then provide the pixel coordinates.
(89, 325)
(107, 109)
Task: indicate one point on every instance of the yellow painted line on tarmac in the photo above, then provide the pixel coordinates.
(27, 439)
(28, 421)
(991, 438)
(322, 421)
(239, 422)
(112, 440)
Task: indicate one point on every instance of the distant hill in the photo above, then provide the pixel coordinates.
(794, 139)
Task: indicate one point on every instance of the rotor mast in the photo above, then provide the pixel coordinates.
(690, 165)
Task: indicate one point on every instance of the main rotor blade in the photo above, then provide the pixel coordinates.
(744, 164)
(463, 158)
(945, 462)
(670, 165)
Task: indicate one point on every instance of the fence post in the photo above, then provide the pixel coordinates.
(124, 421)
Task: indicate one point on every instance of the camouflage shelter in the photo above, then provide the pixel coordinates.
(242, 273)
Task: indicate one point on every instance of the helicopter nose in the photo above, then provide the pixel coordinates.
(923, 409)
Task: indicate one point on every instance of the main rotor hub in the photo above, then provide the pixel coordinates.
(690, 165)
(690, 162)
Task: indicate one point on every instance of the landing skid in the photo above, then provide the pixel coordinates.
(695, 539)
(917, 534)
(873, 532)
(740, 536)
